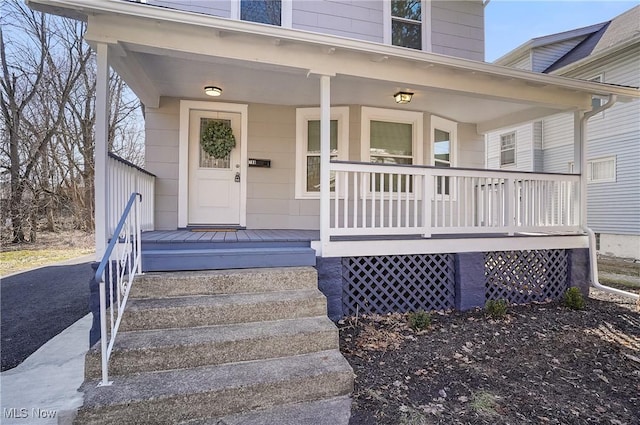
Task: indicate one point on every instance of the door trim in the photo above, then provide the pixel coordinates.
(183, 154)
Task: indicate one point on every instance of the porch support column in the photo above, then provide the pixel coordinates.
(325, 147)
(579, 167)
(100, 151)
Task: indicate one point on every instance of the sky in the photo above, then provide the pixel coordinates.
(510, 23)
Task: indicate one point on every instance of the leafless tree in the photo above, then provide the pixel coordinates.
(48, 116)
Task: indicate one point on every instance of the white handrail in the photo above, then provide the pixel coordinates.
(380, 199)
(121, 262)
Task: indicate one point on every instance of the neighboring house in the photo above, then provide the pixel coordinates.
(359, 137)
(608, 53)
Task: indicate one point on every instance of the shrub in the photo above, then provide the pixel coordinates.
(573, 299)
(497, 309)
(419, 320)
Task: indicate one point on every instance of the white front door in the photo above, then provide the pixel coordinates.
(214, 184)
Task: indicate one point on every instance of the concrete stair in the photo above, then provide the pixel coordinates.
(249, 346)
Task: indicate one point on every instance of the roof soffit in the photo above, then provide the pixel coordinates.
(141, 35)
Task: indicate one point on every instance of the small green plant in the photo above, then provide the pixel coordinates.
(496, 309)
(485, 403)
(573, 299)
(419, 320)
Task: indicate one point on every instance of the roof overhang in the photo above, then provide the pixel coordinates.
(266, 64)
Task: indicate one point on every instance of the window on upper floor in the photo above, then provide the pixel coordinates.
(407, 23)
(601, 170)
(261, 11)
(508, 149)
(307, 183)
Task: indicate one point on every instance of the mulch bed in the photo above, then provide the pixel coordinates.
(541, 364)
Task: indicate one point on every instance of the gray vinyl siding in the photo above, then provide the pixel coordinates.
(545, 56)
(361, 20)
(221, 8)
(457, 29)
(557, 158)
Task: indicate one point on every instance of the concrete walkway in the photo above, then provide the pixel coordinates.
(44, 388)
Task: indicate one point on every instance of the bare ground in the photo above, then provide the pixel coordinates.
(541, 364)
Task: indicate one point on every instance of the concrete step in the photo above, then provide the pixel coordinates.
(219, 259)
(332, 411)
(213, 282)
(174, 396)
(146, 351)
(184, 312)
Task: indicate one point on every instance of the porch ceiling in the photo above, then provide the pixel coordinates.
(164, 52)
(263, 83)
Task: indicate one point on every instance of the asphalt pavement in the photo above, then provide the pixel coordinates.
(37, 305)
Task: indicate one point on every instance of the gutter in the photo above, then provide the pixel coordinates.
(593, 257)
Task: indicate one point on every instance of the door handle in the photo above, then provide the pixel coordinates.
(237, 177)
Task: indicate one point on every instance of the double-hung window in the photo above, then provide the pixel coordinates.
(406, 23)
(391, 137)
(307, 183)
(507, 149)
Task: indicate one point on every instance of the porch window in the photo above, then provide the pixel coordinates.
(508, 149)
(601, 170)
(308, 147)
(406, 23)
(444, 136)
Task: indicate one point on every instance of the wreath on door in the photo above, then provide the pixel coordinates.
(217, 139)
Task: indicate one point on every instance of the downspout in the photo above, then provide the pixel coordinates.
(595, 282)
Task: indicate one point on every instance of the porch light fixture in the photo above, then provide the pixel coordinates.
(403, 97)
(212, 91)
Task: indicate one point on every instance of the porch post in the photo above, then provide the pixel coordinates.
(580, 167)
(325, 147)
(100, 152)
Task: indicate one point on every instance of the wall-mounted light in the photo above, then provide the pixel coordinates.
(212, 91)
(403, 97)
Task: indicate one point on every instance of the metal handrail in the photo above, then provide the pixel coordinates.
(129, 263)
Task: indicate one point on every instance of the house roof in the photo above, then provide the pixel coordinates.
(598, 40)
(612, 36)
(280, 60)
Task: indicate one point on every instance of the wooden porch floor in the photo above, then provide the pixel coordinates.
(198, 236)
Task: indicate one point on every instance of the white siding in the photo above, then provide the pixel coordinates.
(458, 29)
(524, 143)
(616, 132)
(545, 56)
(359, 19)
(221, 8)
(538, 157)
(522, 62)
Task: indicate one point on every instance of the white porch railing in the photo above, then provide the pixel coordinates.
(124, 179)
(379, 199)
(121, 262)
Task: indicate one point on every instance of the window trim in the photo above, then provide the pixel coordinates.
(286, 12)
(303, 115)
(452, 128)
(602, 159)
(369, 114)
(425, 29)
(515, 149)
(597, 78)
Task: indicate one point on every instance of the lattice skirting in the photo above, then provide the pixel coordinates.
(525, 276)
(398, 283)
